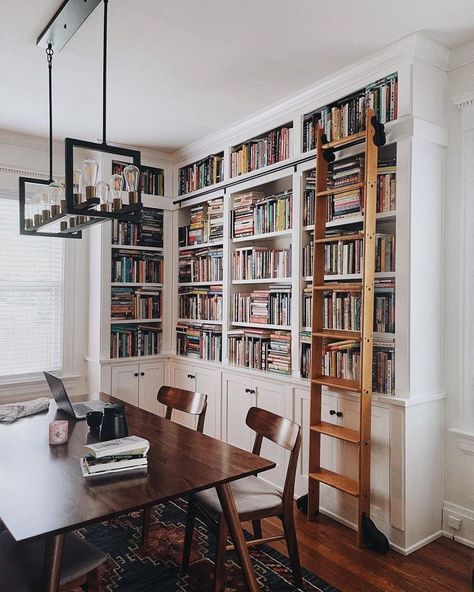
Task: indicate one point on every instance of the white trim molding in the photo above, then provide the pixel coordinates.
(464, 439)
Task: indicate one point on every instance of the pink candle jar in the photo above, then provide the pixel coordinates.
(58, 431)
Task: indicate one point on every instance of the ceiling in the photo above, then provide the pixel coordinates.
(182, 69)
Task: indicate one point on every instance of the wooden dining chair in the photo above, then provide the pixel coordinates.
(21, 564)
(254, 498)
(180, 400)
(183, 400)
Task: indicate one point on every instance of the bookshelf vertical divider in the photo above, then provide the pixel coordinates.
(320, 334)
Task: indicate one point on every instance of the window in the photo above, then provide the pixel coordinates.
(31, 297)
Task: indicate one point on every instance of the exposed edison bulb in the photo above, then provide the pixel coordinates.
(102, 192)
(29, 212)
(45, 206)
(131, 174)
(37, 208)
(90, 168)
(55, 193)
(116, 184)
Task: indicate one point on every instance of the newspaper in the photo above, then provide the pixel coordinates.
(11, 411)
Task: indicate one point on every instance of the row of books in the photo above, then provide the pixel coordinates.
(384, 306)
(383, 364)
(341, 311)
(137, 266)
(261, 349)
(202, 173)
(269, 307)
(306, 318)
(200, 304)
(262, 151)
(115, 456)
(203, 265)
(384, 252)
(344, 257)
(135, 303)
(307, 261)
(347, 116)
(251, 263)
(254, 213)
(341, 359)
(347, 171)
(152, 180)
(127, 341)
(206, 224)
(199, 341)
(147, 233)
(386, 193)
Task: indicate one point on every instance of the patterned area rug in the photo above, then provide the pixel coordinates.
(132, 568)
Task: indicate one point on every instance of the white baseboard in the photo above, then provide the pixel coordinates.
(466, 534)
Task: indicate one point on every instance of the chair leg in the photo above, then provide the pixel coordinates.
(257, 529)
(292, 545)
(93, 581)
(188, 535)
(146, 522)
(220, 555)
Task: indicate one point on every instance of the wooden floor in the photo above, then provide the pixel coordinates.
(329, 550)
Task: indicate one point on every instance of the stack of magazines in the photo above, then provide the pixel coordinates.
(115, 456)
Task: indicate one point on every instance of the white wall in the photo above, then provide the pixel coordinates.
(458, 298)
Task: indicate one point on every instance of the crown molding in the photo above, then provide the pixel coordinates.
(330, 88)
(461, 56)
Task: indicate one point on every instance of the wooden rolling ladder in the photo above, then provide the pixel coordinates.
(360, 489)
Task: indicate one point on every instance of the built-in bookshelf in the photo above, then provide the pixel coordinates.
(346, 116)
(261, 151)
(203, 173)
(136, 286)
(152, 179)
(200, 280)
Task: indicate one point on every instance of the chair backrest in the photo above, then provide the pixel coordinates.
(284, 433)
(183, 400)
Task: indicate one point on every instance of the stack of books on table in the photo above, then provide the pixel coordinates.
(115, 456)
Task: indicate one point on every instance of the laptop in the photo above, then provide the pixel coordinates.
(76, 410)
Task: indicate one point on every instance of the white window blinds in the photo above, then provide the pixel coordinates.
(31, 297)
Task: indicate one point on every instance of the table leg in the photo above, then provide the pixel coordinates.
(53, 554)
(235, 528)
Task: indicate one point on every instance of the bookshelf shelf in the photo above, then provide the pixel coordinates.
(263, 236)
(133, 321)
(262, 281)
(210, 245)
(199, 321)
(261, 326)
(135, 284)
(197, 284)
(136, 248)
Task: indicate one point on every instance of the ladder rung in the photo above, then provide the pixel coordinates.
(336, 480)
(338, 334)
(344, 141)
(339, 237)
(342, 189)
(335, 431)
(338, 383)
(340, 287)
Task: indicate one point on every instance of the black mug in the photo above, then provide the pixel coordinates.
(114, 423)
(94, 419)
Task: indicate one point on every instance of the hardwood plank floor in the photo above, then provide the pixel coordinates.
(329, 549)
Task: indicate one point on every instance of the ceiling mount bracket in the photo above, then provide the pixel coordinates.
(66, 22)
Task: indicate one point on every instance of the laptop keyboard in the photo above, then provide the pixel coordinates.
(82, 408)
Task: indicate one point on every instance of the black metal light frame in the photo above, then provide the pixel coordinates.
(74, 232)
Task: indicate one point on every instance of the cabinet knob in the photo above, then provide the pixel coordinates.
(142, 373)
(136, 373)
(192, 376)
(250, 391)
(339, 414)
(332, 412)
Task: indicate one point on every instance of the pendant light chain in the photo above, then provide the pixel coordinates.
(49, 57)
(104, 78)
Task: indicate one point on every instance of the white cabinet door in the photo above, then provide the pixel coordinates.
(380, 464)
(301, 415)
(125, 382)
(237, 400)
(208, 382)
(152, 377)
(183, 376)
(329, 446)
(348, 453)
(272, 396)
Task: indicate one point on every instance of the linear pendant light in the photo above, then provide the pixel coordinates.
(82, 199)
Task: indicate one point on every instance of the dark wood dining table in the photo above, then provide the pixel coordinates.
(44, 495)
